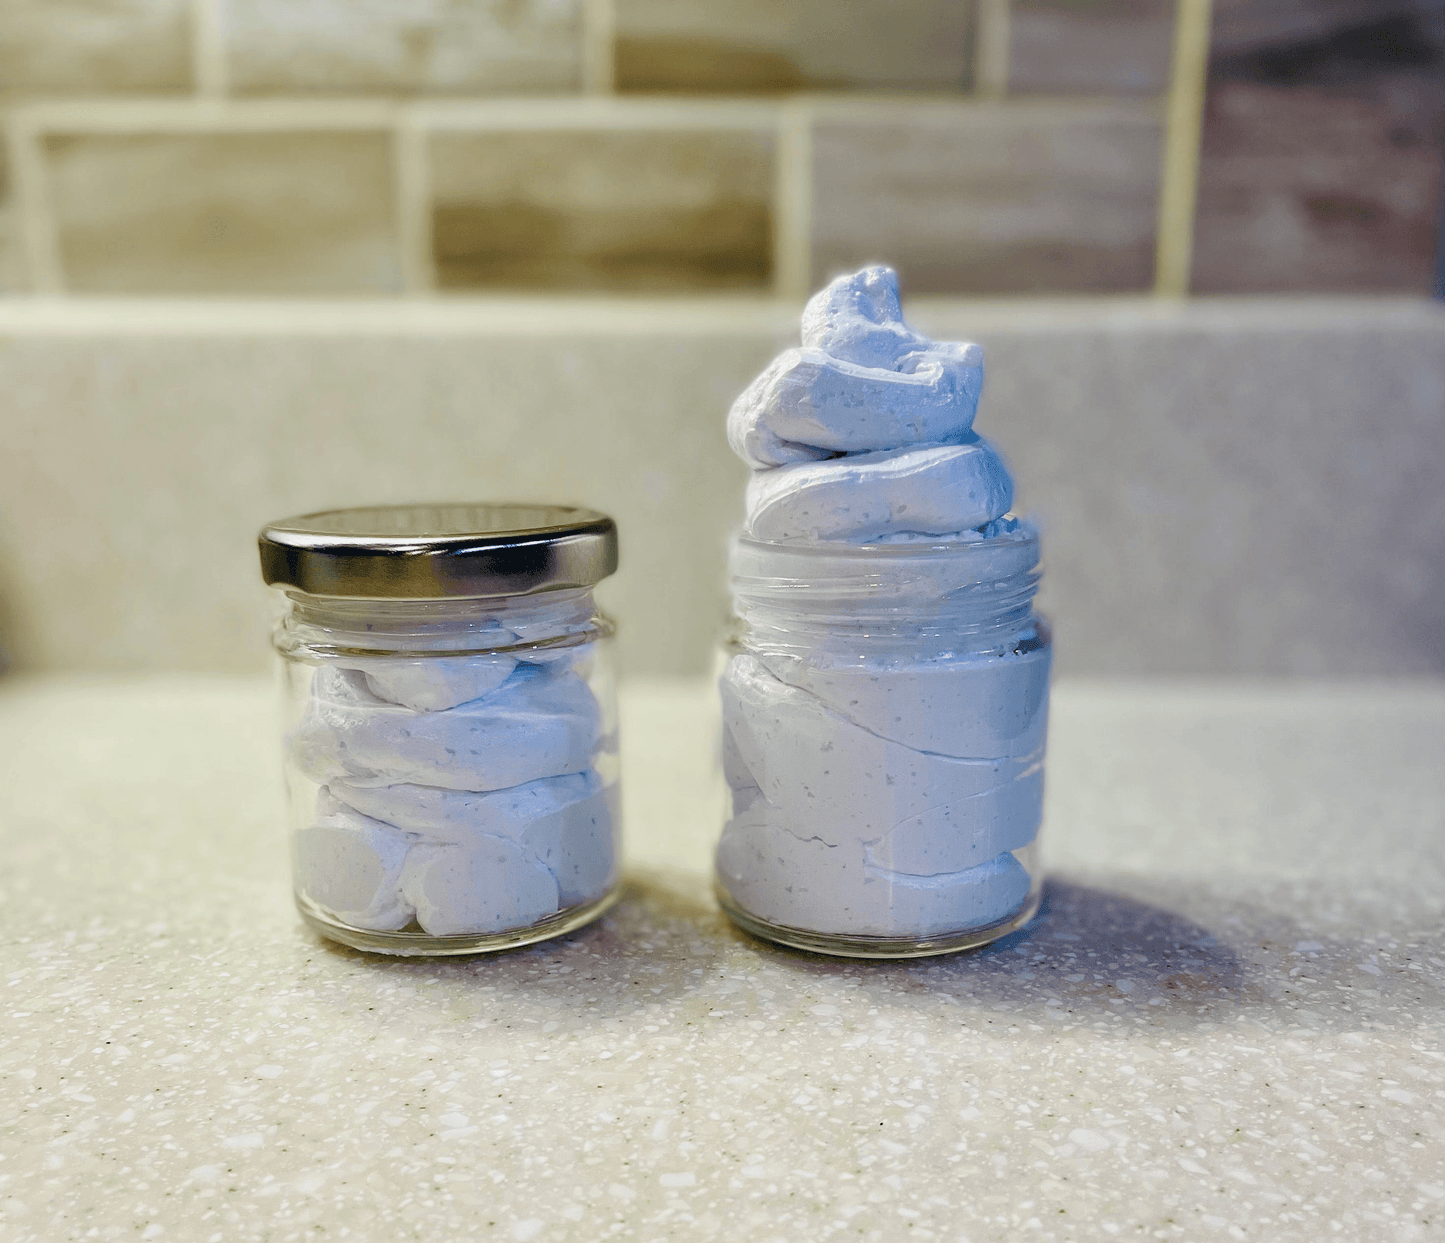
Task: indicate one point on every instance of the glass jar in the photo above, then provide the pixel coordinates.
(884, 716)
(451, 722)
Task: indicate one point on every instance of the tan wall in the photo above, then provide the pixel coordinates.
(1224, 487)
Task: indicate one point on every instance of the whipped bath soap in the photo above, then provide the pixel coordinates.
(451, 741)
(886, 693)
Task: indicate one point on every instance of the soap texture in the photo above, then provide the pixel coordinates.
(463, 794)
(866, 431)
(883, 737)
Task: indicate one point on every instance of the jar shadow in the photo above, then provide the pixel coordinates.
(1095, 956)
(1094, 950)
(656, 944)
(1090, 953)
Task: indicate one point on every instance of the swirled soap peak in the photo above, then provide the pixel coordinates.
(858, 318)
(862, 381)
(864, 434)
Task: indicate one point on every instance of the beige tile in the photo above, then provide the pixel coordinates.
(1016, 198)
(780, 45)
(471, 46)
(296, 213)
(94, 46)
(603, 209)
(1090, 47)
(1307, 188)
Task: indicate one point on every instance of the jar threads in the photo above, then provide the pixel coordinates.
(884, 718)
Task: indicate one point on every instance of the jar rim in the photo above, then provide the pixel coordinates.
(1024, 532)
(439, 551)
(826, 579)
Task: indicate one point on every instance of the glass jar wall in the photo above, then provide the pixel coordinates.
(884, 718)
(451, 760)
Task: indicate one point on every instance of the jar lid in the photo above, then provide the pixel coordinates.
(430, 552)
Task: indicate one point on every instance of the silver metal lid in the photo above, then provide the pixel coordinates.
(430, 552)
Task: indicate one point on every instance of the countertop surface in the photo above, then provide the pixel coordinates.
(1228, 1021)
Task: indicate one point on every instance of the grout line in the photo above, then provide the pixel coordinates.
(189, 115)
(208, 48)
(111, 115)
(39, 242)
(597, 112)
(793, 202)
(599, 38)
(205, 115)
(1179, 170)
(411, 174)
(991, 49)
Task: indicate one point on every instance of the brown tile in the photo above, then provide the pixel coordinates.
(281, 213)
(783, 45)
(94, 46)
(1090, 47)
(603, 209)
(1015, 198)
(1316, 189)
(471, 46)
(1255, 25)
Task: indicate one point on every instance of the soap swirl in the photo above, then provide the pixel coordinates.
(864, 434)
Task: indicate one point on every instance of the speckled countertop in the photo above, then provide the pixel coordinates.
(1228, 1022)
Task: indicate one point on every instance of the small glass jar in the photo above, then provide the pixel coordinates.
(884, 717)
(451, 722)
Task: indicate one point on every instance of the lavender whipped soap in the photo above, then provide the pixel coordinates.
(885, 701)
(451, 756)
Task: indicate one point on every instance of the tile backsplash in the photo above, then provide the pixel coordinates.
(1033, 198)
(1322, 158)
(95, 47)
(1090, 47)
(618, 209)
(379, 147)
(255, 213)
(701, 46)
(415, 46)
